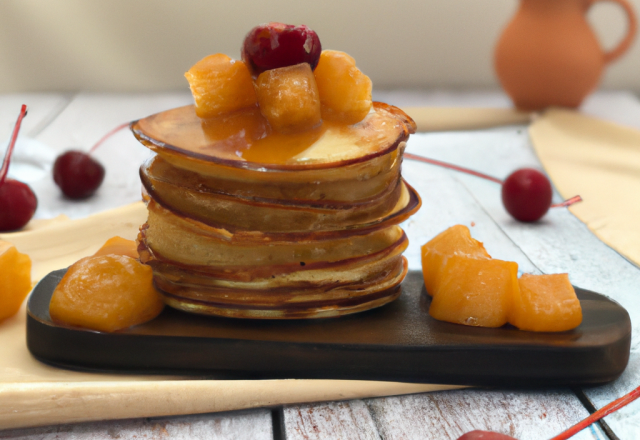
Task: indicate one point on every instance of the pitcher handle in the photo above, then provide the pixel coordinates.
(632, 21)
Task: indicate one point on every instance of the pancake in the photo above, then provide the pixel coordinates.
(248, 223)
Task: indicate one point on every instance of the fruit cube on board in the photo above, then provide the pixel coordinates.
(345, 92)
(545, 303)
(15, 279)
(474, 291)
(456, 240)
(220, 85)
(106, 293)
(288, 98)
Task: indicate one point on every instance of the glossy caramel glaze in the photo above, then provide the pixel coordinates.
(244, 139)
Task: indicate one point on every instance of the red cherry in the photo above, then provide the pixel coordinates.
(18, 203)
(526, 194)
(485, 435)
(77, 174)
(272, 45)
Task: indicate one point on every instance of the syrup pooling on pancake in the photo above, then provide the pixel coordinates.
(226, 140)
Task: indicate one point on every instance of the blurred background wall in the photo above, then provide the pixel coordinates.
(147, 45)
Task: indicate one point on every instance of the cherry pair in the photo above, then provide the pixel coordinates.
(76, 173)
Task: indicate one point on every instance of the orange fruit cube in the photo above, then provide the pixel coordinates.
(345, 92)
(475, 291)
(118, 246)
(106, 293)
(15, 279)
(220, 85)
(545, 303)
(288, 98)
(456, 240)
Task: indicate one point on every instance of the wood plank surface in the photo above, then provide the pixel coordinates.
(242, 425)
(529, 415)
(335, 420)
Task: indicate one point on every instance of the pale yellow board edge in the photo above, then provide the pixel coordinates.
(600, 161)
(61, 242)
(26, 405)
(464, 118)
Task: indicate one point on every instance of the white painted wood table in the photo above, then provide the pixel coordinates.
(560, 243)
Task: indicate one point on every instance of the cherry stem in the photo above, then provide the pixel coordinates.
(602, 412)
(108, 135)
(568, 202)
(453, 167)
(7, 156)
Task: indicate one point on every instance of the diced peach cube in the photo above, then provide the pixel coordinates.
(345, 92)
(106, 293)
(456, 240)
(474, 291)
(220, 85)
(15, 279)
(545, 303)
(288, 98)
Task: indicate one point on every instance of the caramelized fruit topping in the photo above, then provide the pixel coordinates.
(15, 279)
(106, 293)
(345, 92)
(288, 98)
(220, 85)
(281, 59)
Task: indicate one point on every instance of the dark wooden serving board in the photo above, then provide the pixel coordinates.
(397, 342)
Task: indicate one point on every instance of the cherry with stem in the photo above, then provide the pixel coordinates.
(526, 193)
(18, 203)
(77, 173)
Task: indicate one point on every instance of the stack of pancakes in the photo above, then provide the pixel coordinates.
(245, 222)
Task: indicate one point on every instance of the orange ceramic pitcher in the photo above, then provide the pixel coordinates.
(549, 56)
